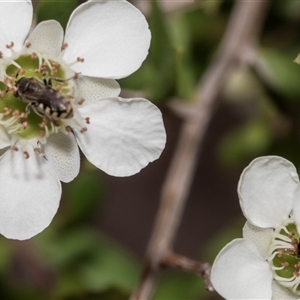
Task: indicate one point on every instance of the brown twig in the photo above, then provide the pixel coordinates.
(175, 261)
(238, 42)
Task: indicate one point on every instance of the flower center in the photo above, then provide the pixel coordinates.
(35, 97)
(284, 256)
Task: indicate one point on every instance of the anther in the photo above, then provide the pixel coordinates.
(68, 128)
(55, 64)
(33, 55)
(77, 74)
(59, 87)
(23, 115)
(291, 234)
(7, 112)
(80, 101)
(38, 150)
(2, 93)
(1, 55)
(16, 113)
(10, 45)
(83, 129)
(13, 89)
(80, 59)
(21, 72)
(27, 44)
(285, 264)
(26, 154)
(280, 253)
(15, 148)
(87, 120)
(25, 124)
(42, 133)
(43, 123)
(64, 46)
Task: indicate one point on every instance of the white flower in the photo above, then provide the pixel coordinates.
(104, 41)
(265, 263)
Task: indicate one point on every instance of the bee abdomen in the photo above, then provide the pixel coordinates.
(55, 113)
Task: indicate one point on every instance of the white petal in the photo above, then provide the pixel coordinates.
(30, 194)
(62, 152)
(112, 36)
(4, 138)
(266, 190)
(281, 293)
(47, 39)
(296, 210)
(239, 272)
(124, 135)
(259, 236)
(92, 89)
(15, 22)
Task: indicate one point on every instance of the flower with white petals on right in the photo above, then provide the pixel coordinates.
(265, 263)
(58, 92)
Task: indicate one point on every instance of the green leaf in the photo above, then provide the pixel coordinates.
(87, 262)
(57, 10)
(245, 143)
(280, 73)
(179, 285)
(161, 55)
(82, 198)
(110, 294)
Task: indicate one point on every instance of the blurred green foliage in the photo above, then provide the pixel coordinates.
(56, 10)
(70, 260)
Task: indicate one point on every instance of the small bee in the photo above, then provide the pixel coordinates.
(46, 101)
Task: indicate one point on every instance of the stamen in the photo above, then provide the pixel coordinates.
(80, 101)
(7, 112)
(25, 124)
(21, 72)
(64, 46)
(23, 115)
(33, 55)
(10, 45)
(26, 154)
(37, 150)
(278, 268)
(87, 119)
(78, 60)
(42, 133)
(15, 148)
(1, 54)
(43, 123)
(27, 44)
(285, 264)
(55, 64)
(16, 64)
(83, 129)
(76, 75)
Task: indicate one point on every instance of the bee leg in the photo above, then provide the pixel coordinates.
(27, 110)
(25, 115)
(63, 80)
(48, 83)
